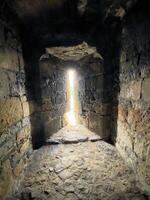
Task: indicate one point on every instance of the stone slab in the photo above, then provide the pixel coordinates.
(73, 134)
(10, 112)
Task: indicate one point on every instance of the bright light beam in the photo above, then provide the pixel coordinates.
(71, 114)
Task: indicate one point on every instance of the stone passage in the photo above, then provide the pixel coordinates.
(85, 170)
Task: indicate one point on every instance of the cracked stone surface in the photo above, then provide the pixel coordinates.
(73, 134)
(82, 171)
(77, 52)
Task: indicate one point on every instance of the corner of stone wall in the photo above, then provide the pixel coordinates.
(95, 97)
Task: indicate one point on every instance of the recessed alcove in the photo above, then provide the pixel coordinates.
(91, 108)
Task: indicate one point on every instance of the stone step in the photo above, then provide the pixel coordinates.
(71, 135)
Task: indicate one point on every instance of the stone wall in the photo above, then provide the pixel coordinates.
(133, 134)
(53, 95)
(15, 127)
(94, 92)
(94, 98)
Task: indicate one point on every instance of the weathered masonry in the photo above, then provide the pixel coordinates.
(74, 94)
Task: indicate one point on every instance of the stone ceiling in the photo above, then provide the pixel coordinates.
(75, 53)
(49, 23)
(27, 7)
(109, 7)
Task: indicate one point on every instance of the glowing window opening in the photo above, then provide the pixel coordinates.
(71, 116)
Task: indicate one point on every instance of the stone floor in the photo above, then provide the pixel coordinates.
(89, 170)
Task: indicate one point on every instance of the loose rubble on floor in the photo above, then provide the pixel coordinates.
(81, 170)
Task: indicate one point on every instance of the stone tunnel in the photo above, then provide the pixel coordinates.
(74, 100)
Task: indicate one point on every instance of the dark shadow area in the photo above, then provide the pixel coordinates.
(31, 53)
(111, 53)
(64, 26)
(33, 89)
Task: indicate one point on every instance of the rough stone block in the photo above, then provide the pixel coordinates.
(21, 61)
(6, 178)
(20, 76)
(11, 84)
(135, 90)
(128, 155)
(7, 149)
(23, 98)
(86, 106)
(143, 176)
(140, 145)
(60, 109)
(60, 98)
(15, 128)
(19, 168)
(102, 108)
(25, 147)
(9, 59)
(26, 121)
(83, 120)
(148, 156)
(146, 90)
(123, 56)
(46, 105)
(28, 108)
(124, 136)
(131, 90)
(10, 112)
(4, 84)
(52, 126)
(9, 135)
(23, 134)
(122, 113)
(4, 137)
(139, 119)
(60, 86)
(97, 67)
(17, 84)
(99, 124)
